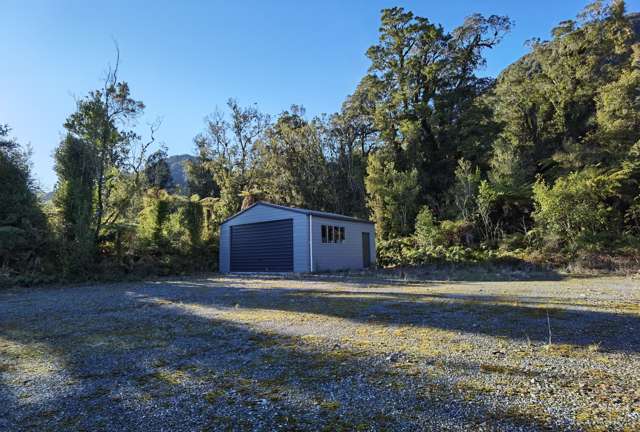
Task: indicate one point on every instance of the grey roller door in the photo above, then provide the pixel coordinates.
(262, 246)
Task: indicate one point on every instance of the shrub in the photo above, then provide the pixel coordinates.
(513, 242)
(575, 209)
(25, 243)
(427, 232)
(391, 196)
(456, 233)
(155, 211)
(487, 200)
(406, 251)
(174, 235)
(73, 199)
(465, 189)
(632, 218)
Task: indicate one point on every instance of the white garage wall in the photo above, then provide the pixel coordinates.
(341, 256)
(264, 213)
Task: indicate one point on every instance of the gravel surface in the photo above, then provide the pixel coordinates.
(322, 353)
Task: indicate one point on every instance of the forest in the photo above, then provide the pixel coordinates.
(540, 164)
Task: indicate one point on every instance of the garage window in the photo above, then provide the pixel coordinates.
(332, 234)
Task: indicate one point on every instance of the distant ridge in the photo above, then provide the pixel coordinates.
(635, 21)
(178, 172)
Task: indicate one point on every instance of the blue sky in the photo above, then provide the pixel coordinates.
(185, 58)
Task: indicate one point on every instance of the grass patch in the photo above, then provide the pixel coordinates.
(167, 377)
(506, 370)
(473, 389)
(329, 405)
(213, 396)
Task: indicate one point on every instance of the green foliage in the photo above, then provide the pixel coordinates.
(632, 218)
(194, 220)
(227, 151)
(566, 114)
(489, 224)
(292, 163)
(447, 233)
(74, 196)
(427, 232)
(24, 238)
(391, 196)
(456, 233)
(465, 189)
(618, 112)
(405, 251)
(351, 137)
(557, 102)
(577, 208)
(200, 179)
(450, 166)
(173, 233)
(157, 171)
(97, 121)
(426, 112)
(155, 211)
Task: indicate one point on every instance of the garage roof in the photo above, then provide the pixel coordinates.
(303, 211)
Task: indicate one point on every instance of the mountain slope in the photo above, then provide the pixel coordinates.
(177, 169)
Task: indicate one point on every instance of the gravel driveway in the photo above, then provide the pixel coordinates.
(321, 353)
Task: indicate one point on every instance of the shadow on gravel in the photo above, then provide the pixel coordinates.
(519, 318)
(144, 362)
(511, 270)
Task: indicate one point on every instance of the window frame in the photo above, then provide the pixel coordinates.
(332, 234)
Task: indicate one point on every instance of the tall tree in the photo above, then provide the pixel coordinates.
(548, 100)
(391, 196)
(23, 227)
(228, 147)
(353, 137)
(75, 165)
(292, 162)
(101, 120)
(566, 106)
(157, 170)
(426, 89)
(200, 179)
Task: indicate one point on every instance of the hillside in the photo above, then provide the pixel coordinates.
(178, 175)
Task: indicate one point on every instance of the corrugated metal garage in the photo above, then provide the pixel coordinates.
(271, 238)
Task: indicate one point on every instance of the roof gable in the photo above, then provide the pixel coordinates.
(327, 215)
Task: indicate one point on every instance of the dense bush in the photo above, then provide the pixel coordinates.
(73, 198)
(577, 208)
(24, 237)
(173, 233)
(392, 196)
(430, 233)
(427, 232)
(407, 251)
(456, 233)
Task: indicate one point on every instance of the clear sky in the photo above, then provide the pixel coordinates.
(185, 58)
